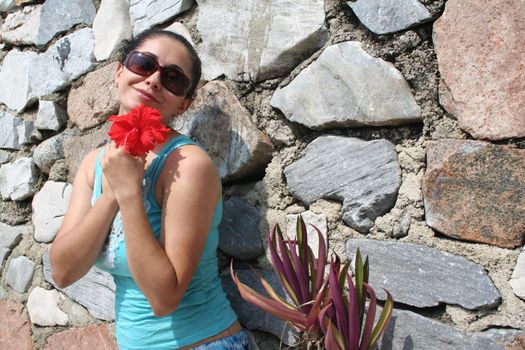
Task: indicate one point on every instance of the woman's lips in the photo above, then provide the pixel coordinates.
(147, 96)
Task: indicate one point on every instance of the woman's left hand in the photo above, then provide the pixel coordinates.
(123, 172)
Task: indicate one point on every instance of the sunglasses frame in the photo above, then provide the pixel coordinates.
(163, 71)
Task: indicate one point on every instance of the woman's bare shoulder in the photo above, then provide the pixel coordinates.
(87, 166)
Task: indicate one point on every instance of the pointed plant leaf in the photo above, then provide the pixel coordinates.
(341, 313)
(301, 274)
(289, 273)
(384, 319)
(321, 259)
(354, 322)
(370, 316)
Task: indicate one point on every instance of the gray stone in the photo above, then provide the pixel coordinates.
(310, 219)
(239, 230)
(224, 128)
(95, 291)
(145, 14)
(364, 175)
(25, 130)
(18, 179)
(4, 156)
(517, 280)
(22, 26)
(420, 280)
(408, 330)
(10, 235)
(42, 306)
(20, 273)
(68, 59)
(6, 5)
(250, 315)
(258, 40)
(9, 137)
(49, 207)
(357, 89)
(112, 26)
(15, 90)
(50, 116)
(58, 16)
(389, 16)
(179, 28)
(49, 151)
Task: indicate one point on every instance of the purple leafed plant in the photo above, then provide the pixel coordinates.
(317, 306)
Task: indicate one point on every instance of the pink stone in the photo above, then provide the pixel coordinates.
(91, 337)
(480, 46)
(473, 191)
(15, 329)
(91, 103)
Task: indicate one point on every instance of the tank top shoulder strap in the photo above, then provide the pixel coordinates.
(97, 183)
(157, 164)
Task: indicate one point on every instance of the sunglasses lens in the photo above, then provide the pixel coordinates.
(141, 64)
(175, 81)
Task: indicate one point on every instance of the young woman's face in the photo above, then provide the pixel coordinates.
(135, 89)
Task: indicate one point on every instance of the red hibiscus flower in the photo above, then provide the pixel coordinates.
(138, 131)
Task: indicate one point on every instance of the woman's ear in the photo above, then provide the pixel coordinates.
(185, 103)
(118, 72)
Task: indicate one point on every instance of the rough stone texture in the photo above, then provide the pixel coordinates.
(39, 24)
(18, 179)
(91, 103)
(511, 339)
(145, 14)
(517, 280)
(365, 176)
(49, 207)
(10, 236)
(14, 131)
(224, 128)
(420, 280)
(22, 26)
(258, 40)
(408, 330)
(91, 337)
(76, 147)
(309, 218)
(68, 59)
(15, 328)
(50, 116)
(389, 16)
(481, 78)
(58, 16)
(4, 156)
(111, 26)
(49, 151)
(43, 309)
(15, 74)
(95, 291)
(20, 273)
(239, 230)
(251, 316)
(357, 89)
(473, 191)
(6, 5)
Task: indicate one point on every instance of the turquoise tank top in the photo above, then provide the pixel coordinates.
(204, 310)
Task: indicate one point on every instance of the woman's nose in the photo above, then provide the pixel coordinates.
(154, 80)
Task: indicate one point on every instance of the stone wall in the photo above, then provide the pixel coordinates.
(396, 126)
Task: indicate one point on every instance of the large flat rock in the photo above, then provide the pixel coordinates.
(219, 122)
(15, 328)
(49, 208)
(479, 47)
(415, 275)
(389, 16)
(258, 39)
(473, 191)
(112, 26)
(95, 291)
(364, 175)
(144, 14)
(90, 337)
(347, 87)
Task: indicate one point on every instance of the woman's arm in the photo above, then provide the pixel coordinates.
(190, 190)
(84, 229)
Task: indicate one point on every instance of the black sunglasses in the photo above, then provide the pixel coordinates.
(172, 77)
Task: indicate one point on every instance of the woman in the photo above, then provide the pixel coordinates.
(161, 211)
